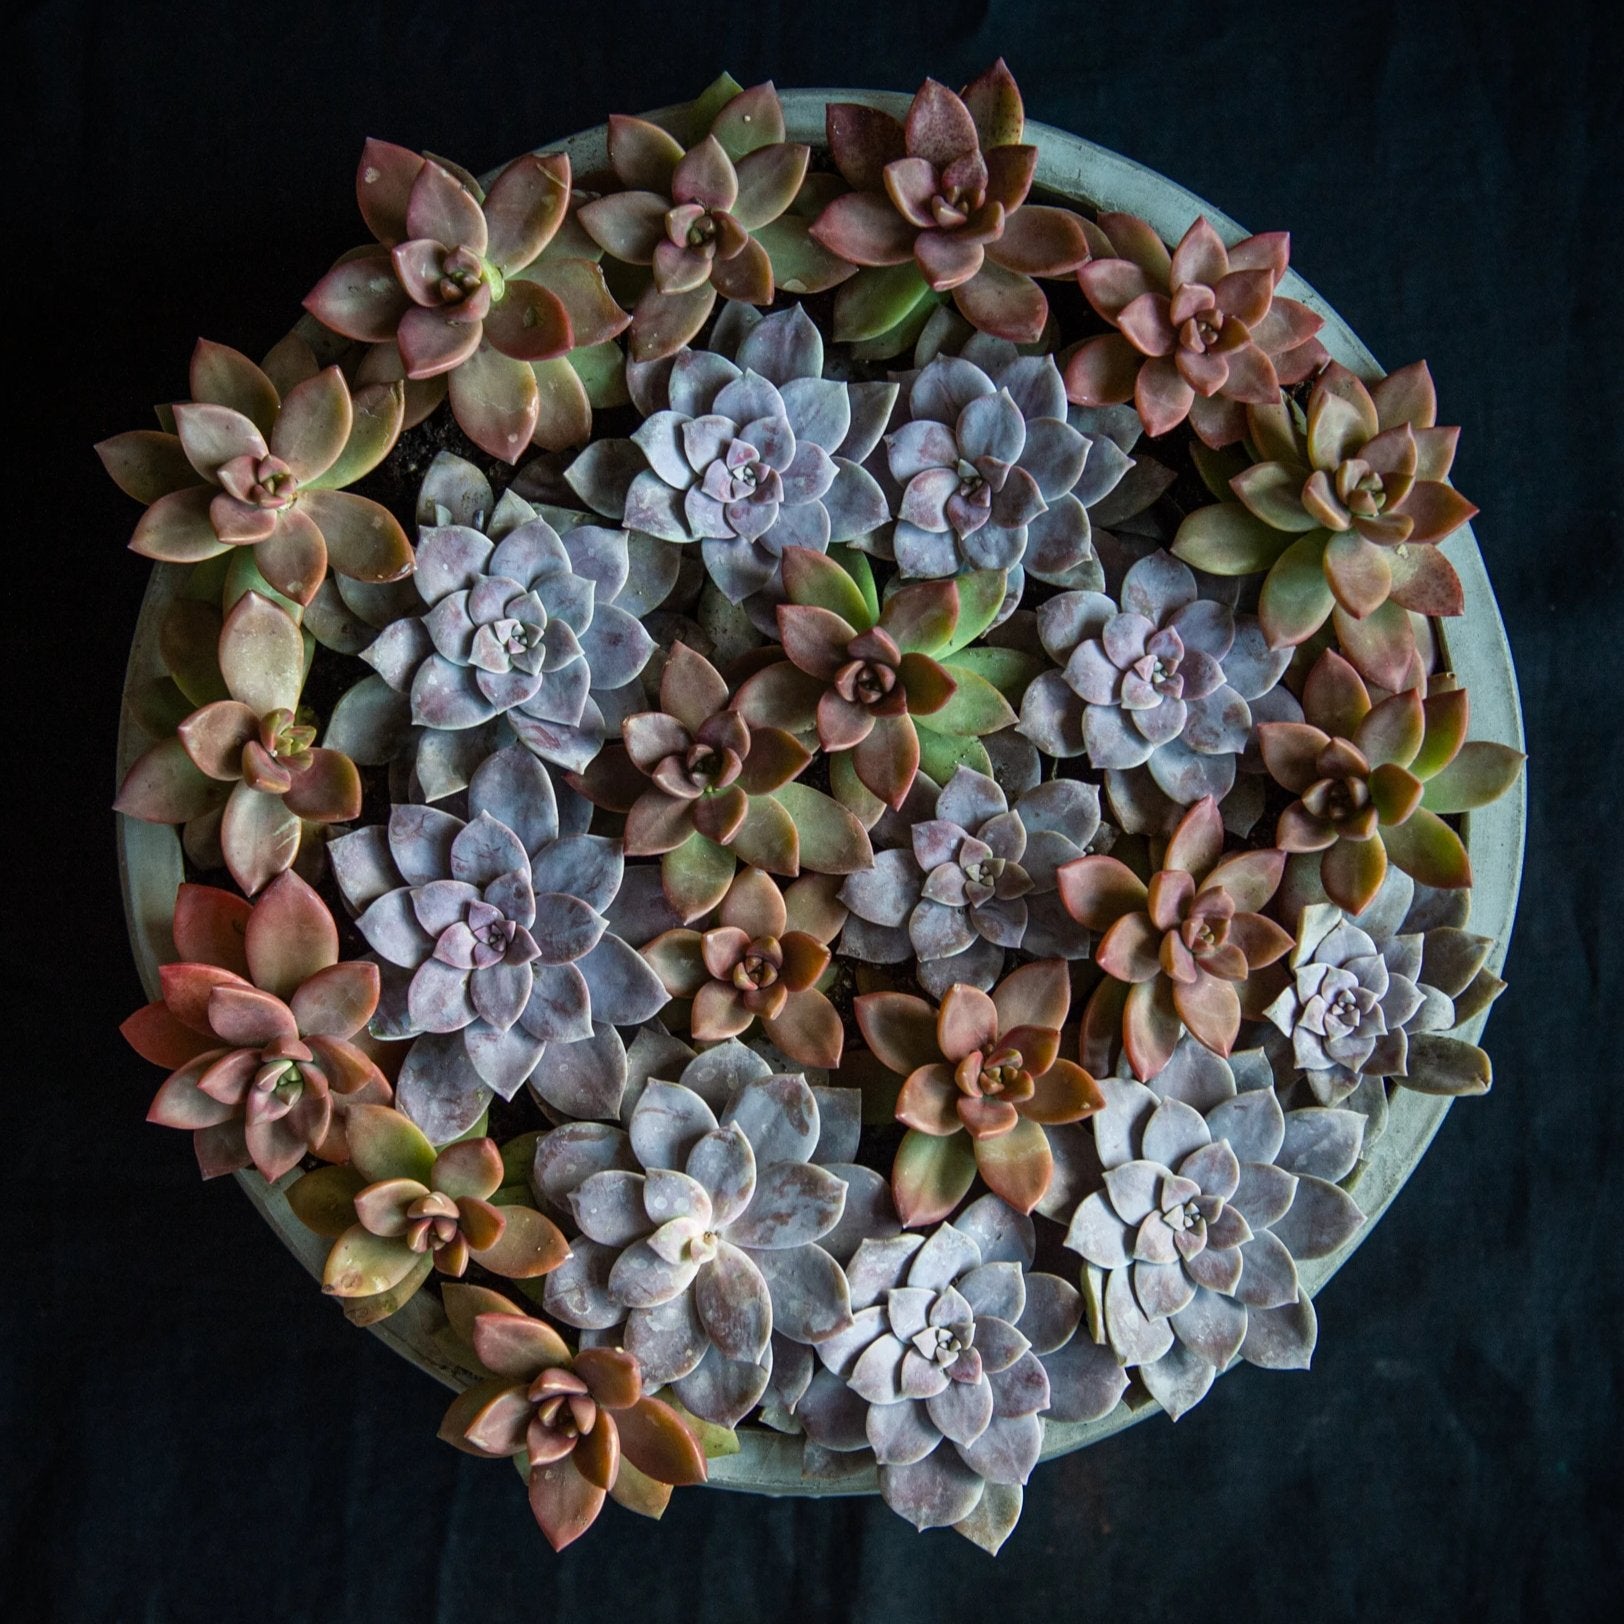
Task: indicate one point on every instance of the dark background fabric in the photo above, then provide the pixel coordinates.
(191, 1432)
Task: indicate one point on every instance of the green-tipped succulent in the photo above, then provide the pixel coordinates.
(760, 960)
(983, 1077)
(246, 766)
(244, 465)
(399, 1210)
(1374, 782)
(705, 787)
(254, 1025)
(1344, 505)
(580, 1426)
(1181, 951)
(887, 691)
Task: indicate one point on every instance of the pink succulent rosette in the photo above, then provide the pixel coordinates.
(1201, 333)
(256, 1020)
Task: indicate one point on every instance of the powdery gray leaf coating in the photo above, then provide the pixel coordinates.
(713, 1214)
(943, 1371)
(1205, 1210)
(508, 978)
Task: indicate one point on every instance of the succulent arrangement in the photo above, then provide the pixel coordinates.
(821, 793)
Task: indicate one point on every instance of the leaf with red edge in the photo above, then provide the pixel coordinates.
(636, 1492)
(1211, 1009)
(655, 1439)
(324, 1200)
(1198, 840)
(887, 761)
(262, 655)
(1102, 371)
(529, 323)
(383, 183)
(1130, 949)
(1425, 582)
(259, 837)
(1393, 730)
(146, 464)
(362, 1264)
(155, 1034)
(360, 298)
(696, 876)
(1394, 792)
(1438, 510)
(1150, 1027)
(768, 838)
(1017, 1166)
(338, 1001)
(525, 207)
(1225, 539)
(1480, 772)
(364, 540)
(1003, 302)
(922, 617)
(564, 1504)
(994, 103)
(1250, 878)
(769, 179)
(210, 926)
(675, 957)
(1352, 872)
(1036, 995)
(464, 1304)
(931, 1176)
(1097, 890)
(818, 581)
(862, 141)
(1101, 1028)
(1448, 713)
(807, 1029)
(384, 1144)
(899, 1028)
(496, 402)
(1358, 573)
(1296, 596)
(1335, 697)
(177, 528)
(515, 1346)
(1066, 1092)
(1381, 645)
(289, 936)
(529, 1245)
(830, 839)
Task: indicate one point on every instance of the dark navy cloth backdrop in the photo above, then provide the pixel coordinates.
(190, 1430)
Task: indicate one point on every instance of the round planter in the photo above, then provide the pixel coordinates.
(1474, 647)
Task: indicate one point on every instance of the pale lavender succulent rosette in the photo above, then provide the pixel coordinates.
(1369, 988)
(978, 879)
(524, 626)
(745, 455)
(494, 950)
(1212, 1195)
(705, 1224)
(985, 469)
(954, 1354)
(1167, 681)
